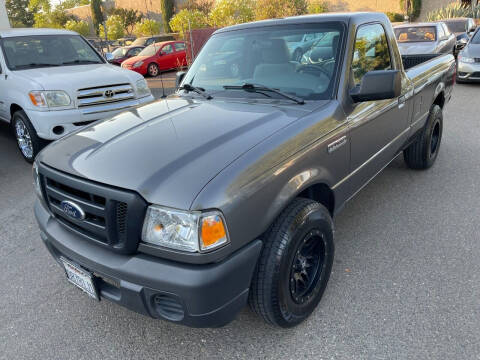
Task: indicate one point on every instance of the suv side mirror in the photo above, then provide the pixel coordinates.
(179, 78)
(378, 85)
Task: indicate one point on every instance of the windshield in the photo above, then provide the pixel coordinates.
(27, 52)
(139, 42)
(476, 38)
(416, 34)
(456, 26)
(149, 50)
(119, 53)
(262, 56)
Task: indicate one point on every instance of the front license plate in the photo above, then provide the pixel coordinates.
(80, 278)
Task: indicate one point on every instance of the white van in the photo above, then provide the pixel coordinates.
(53, 82)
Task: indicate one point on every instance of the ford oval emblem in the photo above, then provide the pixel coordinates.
(72, 210)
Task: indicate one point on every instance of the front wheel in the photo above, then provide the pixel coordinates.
(295, 264)
(153, 70)
(28, 141)
(424, 151)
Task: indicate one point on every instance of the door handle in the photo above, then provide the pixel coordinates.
(401, 101)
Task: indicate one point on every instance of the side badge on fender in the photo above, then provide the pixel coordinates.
(336, 144)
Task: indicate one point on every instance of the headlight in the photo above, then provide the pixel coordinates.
(36, 180)
(49, 99)
(467, 60)
(138, 64)
(183, 230)
(142, 88)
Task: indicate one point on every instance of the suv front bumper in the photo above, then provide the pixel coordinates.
(194, 295)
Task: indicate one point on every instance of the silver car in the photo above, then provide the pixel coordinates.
(425, 38)
(469, 60)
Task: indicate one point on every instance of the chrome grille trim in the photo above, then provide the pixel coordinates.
(97, 95)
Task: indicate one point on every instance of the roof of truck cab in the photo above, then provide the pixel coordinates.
(352, 17)
(34, 31)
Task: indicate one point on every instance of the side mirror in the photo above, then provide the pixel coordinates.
(109, 56)
(179, 78)
(460, 44)
(378, 85)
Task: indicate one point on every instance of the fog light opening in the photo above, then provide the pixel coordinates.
(58, 130)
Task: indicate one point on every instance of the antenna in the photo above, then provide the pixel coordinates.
(163, 88)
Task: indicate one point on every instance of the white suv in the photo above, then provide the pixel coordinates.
(53, 82)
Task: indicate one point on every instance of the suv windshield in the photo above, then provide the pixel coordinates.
(456, 26)
(265, 57)
(416, 34)
(28, 52)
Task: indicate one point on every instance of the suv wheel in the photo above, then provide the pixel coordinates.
(295, 264)
(28, 142)
(424, 151)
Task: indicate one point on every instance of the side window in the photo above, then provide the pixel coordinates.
(179, 46)
(167, 49)
(149, 42)
(371, 51)
(441, 32)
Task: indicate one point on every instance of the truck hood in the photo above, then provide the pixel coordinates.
(167, 151)
(72, 78)
(417, 48)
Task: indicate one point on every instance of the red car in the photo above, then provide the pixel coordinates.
(158, 57)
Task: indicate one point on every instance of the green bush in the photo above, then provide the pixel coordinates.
(231, 12)
(179, 22)
(317, 7)
(452, 10)
(147, 27)
(271, 9)
(115, 28)
(80, 27)
(395, 17)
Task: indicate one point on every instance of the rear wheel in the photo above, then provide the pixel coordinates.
(295, 264)
(424, 151)
(28, 141)
(153, 70)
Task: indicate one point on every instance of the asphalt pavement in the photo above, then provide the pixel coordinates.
(405, 282)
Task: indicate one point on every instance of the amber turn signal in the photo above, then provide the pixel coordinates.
(213, 232)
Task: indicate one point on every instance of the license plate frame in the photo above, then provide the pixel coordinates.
(81, 278)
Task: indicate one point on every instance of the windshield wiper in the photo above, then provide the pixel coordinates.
(35, 65)
(260, 88)
(81, 62)
(198, 90)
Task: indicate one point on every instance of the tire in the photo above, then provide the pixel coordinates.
(28, 141)
(302, 235)
(424, 151)
(153, 70)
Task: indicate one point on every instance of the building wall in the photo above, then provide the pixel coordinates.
(364, 5)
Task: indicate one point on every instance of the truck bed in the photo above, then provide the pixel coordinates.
(410, 61)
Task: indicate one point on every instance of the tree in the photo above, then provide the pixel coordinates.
(115, 28)
(180, 21)
(53, 19)
(147, 27)
(414, 7)
(129, 18)
(231, 12)
(270, 9)
(97, 14)
(80, 27)
(205, 6)
(317, 7)
(42, 6)
(168, 8)
(18, 13)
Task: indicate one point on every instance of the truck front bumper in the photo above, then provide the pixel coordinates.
(194, 295)
(468, 72)
(52, 125)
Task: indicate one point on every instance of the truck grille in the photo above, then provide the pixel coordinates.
(113, 217)
(104, 95)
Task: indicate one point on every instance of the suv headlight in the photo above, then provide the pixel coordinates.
(49, 99)
(142, 88)
(191, 231)
(467, 60)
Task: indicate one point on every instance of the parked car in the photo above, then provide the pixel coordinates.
(158, 57)
(469, 60)
(298, 44)
(118, 56)
(223, 193)
(53, 82)
(463, 28)
(425, 38)
(150, 40)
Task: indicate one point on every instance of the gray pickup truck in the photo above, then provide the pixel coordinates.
(224, 193)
